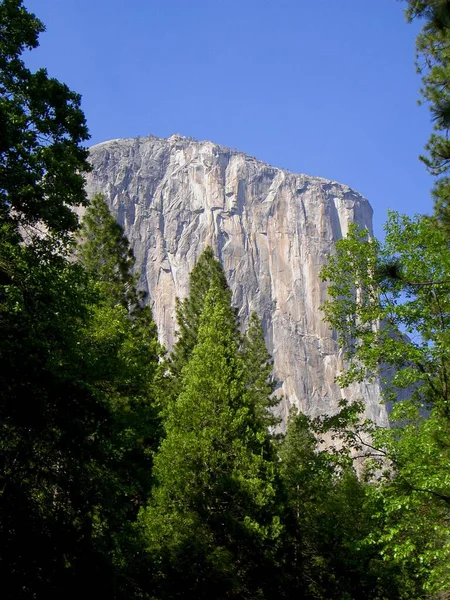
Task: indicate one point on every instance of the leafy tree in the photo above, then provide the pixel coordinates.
(60, 477)
(382, 293)
(42, 128)
(213, 525)
(415, 303)
(371, 312)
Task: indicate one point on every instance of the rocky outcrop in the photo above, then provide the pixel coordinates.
(272, 231)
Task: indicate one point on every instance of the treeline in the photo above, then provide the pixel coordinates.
(131, 473)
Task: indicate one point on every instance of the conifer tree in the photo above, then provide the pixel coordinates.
(122, 339)
(259, 369)
(189, 310)
(213, 522)
(433, 47)
(107, 256)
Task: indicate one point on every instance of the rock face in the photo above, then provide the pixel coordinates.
(272, 231)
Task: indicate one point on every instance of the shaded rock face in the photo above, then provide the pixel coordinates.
(271, 229)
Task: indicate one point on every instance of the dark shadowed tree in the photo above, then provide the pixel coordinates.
(42, 128)
(58, 476)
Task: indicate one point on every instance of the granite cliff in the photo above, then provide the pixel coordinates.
(272, 231)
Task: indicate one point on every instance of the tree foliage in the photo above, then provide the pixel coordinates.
(372, 311)
(42, 128)
(189, 310)
(390, 307)
(134, 479)
(74, 365)
(395, 326)
(332, 516)
(433, 48)
(216, 494)
(259, 368)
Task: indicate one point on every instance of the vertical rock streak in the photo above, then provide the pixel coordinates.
(271, 229)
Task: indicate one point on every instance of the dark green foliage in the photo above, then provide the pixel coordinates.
(332, 517)
(75, 367)
(41, 129)
(121, 333)
(53, 431)
(122, 351)
(79, 426)
(106, 255)
(433, 47)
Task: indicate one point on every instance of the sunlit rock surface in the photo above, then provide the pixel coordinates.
(272, 231)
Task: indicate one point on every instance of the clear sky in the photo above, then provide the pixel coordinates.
(322, 87)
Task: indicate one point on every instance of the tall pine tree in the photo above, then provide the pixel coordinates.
(213, 524)
(107, 256)
(189, 310)
(259, 368)
(124, 353)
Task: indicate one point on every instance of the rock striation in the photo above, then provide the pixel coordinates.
(272, 231)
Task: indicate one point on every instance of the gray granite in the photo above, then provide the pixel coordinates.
(272, 231)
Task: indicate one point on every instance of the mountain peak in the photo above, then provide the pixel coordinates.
(272, 231)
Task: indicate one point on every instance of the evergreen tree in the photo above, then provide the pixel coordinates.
(331, 517)
(213, 525)
(433, 48)
(123, 355)
(189, 310)
(106, 255)
(259, 368)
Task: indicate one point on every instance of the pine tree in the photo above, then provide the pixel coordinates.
(433, 46)
(124, 353)
(213, 523)
(106, 255)
(189, 310)
(259, 369)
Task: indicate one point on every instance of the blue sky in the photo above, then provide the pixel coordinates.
(325, 88)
